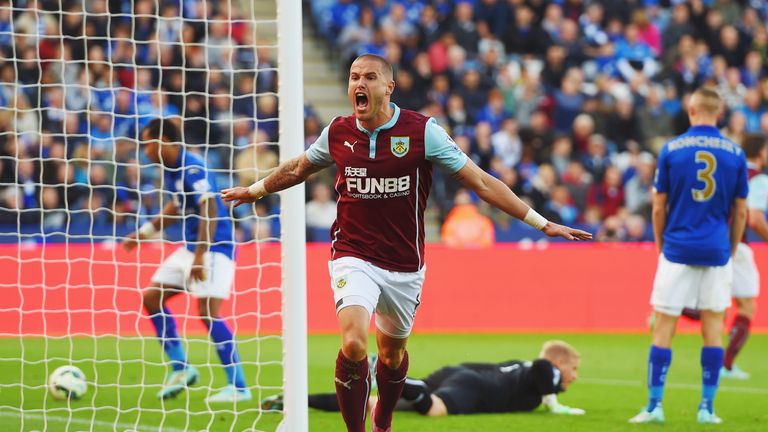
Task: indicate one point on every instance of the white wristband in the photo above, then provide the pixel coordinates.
(257, 190)
(535, 220)
(147, 230)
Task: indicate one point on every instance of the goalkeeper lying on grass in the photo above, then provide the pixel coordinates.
(473, 388)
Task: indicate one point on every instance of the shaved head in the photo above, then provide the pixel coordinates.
(707, 100)
(384, 67)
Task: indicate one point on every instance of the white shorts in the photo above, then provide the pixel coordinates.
(219, 272)
(394, 296)
(746, 278)
(677, 286)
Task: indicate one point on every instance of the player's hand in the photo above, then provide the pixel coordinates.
(565, 410)
(555, 230)
(239, 195)
(197, 273)
(131, 241)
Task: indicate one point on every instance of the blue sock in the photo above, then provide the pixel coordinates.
(711, 362)
(165, 327)
(659, 360)
(227, 350)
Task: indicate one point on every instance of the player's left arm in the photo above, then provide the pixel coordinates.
(204, 236)
(738, 222)
(198, 187)
(739, 206)
(496, 193)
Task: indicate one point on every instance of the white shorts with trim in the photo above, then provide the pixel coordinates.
(677, 286)
(394, 296)
(219, 272)
(746, 278)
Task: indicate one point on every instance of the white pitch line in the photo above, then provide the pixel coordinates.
(638, 383)
(82, 422)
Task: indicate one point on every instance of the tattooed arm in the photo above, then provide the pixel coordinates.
(289, 173)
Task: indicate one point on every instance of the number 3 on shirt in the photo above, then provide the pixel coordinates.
(705, 175)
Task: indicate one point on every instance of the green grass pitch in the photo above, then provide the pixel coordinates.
(610, 386)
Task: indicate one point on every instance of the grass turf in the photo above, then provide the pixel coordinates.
(126, 373)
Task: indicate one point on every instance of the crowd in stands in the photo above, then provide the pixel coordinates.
(79, 80)
(568, 101)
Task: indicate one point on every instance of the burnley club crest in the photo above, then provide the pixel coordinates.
(400, 145)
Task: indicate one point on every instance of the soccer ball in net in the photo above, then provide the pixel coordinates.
(67, 382)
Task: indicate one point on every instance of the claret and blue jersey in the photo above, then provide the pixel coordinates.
(702, 172)
(189, 182)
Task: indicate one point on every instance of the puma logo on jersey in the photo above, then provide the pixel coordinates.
(351, 146)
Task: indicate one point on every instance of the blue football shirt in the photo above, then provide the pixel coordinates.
(189, 182)
(702, 172)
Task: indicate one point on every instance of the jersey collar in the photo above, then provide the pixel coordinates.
(387, 125)
(704, 129)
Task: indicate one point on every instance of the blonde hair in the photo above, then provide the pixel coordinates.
(708, 100)
(558, 350)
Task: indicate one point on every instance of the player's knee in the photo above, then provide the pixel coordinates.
(391, 357)
(152, 300)
(746, 307)
(354, 347)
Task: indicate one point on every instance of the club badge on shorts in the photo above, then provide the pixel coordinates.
(400, 145)
(340, 283)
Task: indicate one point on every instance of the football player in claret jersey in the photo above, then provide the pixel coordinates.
(746, 278)
(204, 266)
(701, 181)
(384, 157)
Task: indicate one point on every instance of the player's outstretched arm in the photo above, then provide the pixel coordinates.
(496, 193)
(151, 228)
(289, 173)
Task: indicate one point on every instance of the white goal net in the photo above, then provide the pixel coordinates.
(79, 79)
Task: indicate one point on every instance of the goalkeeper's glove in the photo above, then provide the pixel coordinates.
(553, 406)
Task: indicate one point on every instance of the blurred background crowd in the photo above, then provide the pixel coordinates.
(567, 102)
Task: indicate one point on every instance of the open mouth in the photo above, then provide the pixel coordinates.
(361, 101)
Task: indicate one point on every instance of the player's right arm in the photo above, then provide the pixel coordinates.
(149, 229)
(659, 218)
(660, 198)
(289, 173)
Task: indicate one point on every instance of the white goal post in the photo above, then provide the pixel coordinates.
(289, 42)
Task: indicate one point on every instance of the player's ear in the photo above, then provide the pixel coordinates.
(390, 88)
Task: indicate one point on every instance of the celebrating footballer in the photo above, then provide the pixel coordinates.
(384, 157)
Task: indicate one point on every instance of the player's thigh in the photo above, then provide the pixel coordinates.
(353, 284)
(675, 286)
(746, 277)
(462, 392)
(174, 270)
(716, 287)
(219, 277)
(400, 298)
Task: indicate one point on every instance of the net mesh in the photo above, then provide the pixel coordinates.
(79, 80)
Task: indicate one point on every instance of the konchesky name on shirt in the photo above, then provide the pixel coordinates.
(360, 186)
(704, 141)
